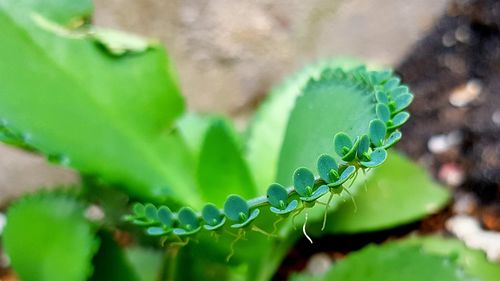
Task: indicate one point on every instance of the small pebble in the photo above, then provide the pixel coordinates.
(467, 229)
(94, 213)
(3, 221)
(318, 264)
(464, 94)
(441, 143)
(465, 204)
(496, 117)
(452, 174)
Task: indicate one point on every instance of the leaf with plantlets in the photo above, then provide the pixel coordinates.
(46, 231)
(377, 132)
(398, 120)
(277, 196)
(272, 117)
(188, 222)
(237, 210)
(213, 217)
(376, 158)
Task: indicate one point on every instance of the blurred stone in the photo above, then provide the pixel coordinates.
(464, 94)
(23, 172)
(468, 230)
(318, 264)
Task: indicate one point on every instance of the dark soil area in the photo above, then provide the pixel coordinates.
(454, 73)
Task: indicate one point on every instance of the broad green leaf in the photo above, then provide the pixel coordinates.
(474, 262)
(222, 170)
(94, 111)
(325, 108)
(398, 192)
(48, 239)
(110, 262)
(193, 128)
(392, 262)
(267, 128)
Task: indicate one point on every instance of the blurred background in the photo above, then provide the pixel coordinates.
(228, 54)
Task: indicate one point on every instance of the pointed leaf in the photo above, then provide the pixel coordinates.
(222, 169)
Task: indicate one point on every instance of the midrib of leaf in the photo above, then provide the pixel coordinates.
(120, 129)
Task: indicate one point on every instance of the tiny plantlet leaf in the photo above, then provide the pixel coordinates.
(156, 231)
(381, 98)
(377, 157)
(303, 181)
(326, 164)
(377, 132)
(341, 141)
(277, 196)
(139, 210)
(399, 119)
(213, 217)
(188, 222)
(150, 212)
(392, 139)
(246, 222)
(399, 91)
(234, 206)
(383, 112)
(291, 207)
(392, 83)
(346, 174)
(165, 216)
(363, 146)
(320, 191)
(403, 101)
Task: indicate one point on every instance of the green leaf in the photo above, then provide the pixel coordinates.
(474, 262)
(103, 114)
(267, 128)
(222, 169)
(193, 128)
(393, 138)
(403, 101)
(399, 119)
(188, 219)
(392, 262)
(398, 192)
(110, 262)
(48, 239)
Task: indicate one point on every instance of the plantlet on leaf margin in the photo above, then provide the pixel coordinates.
(364, 151)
